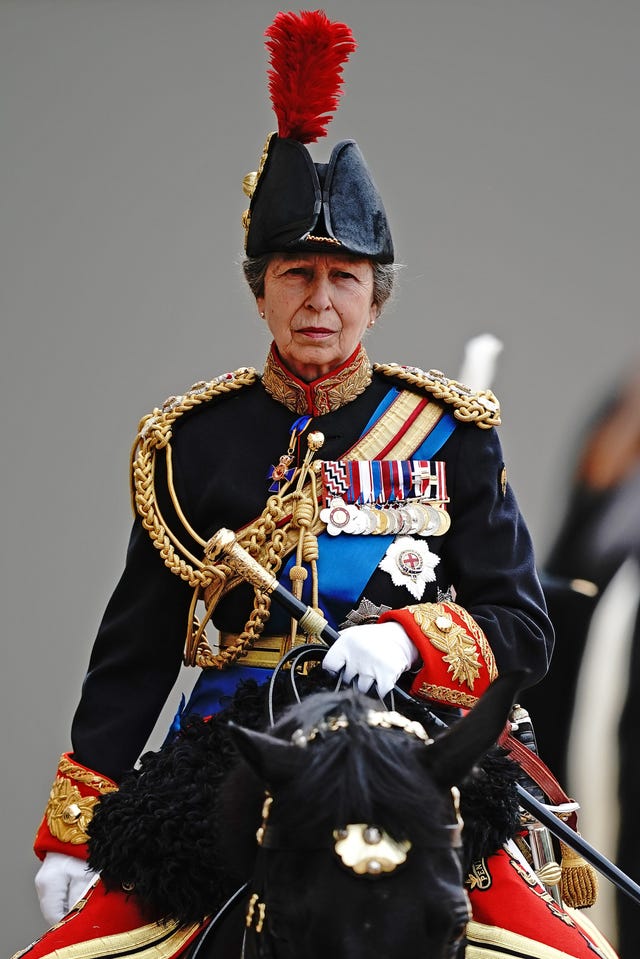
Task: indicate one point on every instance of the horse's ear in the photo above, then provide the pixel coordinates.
(273, 760)
(454, 754)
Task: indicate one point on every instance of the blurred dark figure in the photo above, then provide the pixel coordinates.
(600, 531)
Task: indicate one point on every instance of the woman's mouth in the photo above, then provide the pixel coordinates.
(315, 332)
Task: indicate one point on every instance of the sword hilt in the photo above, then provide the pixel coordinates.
(224, 543)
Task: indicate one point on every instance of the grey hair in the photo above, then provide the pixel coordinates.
(255, 269)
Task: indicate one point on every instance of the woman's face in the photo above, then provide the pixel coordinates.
(317, 307)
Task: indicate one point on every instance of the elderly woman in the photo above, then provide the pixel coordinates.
(376, 493)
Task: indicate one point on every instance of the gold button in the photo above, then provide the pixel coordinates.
(444, 623)
(71, 813)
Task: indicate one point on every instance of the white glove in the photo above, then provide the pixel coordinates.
(376, 653)
(61, 881)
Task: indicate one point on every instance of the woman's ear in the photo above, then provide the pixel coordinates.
(260, 304)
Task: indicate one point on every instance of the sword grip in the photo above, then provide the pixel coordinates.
(224, 543)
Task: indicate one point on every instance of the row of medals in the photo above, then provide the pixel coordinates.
(417, 518)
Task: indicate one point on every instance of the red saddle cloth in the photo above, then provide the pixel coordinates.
(512, 915)
(111, 924)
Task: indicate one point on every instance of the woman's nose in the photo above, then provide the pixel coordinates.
(319, 296)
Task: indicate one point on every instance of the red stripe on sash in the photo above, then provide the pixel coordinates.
(419, 408)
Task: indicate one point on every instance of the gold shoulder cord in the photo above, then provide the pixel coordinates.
(481, 408)
(154, 434)
(288, 519)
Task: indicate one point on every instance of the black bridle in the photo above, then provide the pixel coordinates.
(383, 854)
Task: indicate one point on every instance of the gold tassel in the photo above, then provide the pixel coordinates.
(579, 884)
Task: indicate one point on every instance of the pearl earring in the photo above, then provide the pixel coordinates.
(262, 314)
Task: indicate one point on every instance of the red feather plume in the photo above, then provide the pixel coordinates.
(305, 80)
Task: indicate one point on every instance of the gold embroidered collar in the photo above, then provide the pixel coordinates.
(324, 395)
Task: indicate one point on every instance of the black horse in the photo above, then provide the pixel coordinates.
(359, 849)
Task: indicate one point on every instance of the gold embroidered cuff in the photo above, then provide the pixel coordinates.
(457, 660)
(72, 799)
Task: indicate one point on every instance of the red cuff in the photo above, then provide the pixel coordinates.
(457, 661)
(74, 794)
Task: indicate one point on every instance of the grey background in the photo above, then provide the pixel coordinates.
(504, 137)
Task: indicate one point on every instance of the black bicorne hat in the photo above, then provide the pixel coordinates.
(298, 205)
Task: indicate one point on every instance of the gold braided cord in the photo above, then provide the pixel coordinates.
(176, 502)
(305, 513)
(67, 767)
(288, 520)
(579, 880)
(154, 434)
(269, 540)
(266, 542)
(481, 408)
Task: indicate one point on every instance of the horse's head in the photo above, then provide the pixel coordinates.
(359, 851)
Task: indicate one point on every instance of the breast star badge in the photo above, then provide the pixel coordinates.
(411, 564)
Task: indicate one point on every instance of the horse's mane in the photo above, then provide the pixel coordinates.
(359, 773)
(165, 829)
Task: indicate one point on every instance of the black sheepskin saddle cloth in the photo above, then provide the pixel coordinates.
(163, 838)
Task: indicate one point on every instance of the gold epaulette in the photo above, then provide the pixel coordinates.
(481, 408)
(154, 429)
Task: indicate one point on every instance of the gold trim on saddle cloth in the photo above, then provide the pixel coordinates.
(494, 942)
(152, 941)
